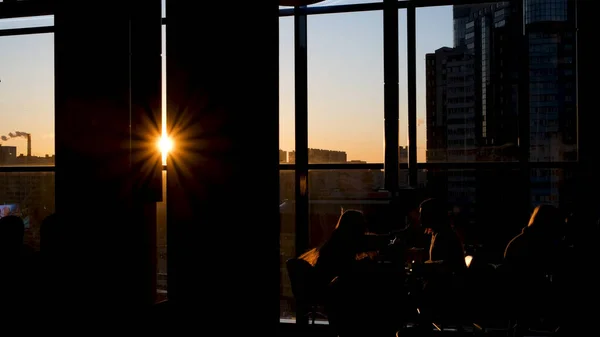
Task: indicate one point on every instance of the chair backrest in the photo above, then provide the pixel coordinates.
(300, 274)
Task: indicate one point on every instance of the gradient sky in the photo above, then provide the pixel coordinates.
(345, 79)
(27, 86)
(345, 56)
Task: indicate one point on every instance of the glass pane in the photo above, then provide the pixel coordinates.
(29, 195)
(553, 186)
(287, 178)
(505, 197)
(468, 81)
(470, 76)
(27, 22)
(403, 89)
(552, 103)
(27, 100)
(287, 237)
(287, 99)
(345, 82)
(333, 191)
(500, 212)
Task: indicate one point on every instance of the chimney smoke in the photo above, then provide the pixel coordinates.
(18, 134)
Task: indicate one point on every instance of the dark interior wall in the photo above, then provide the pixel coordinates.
(222, 190)
(108, 82)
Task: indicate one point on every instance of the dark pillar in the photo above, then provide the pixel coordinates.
(222, 187)
(391, 94)
(107, 121)
(587, 178)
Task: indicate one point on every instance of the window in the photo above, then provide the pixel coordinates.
(287, 242)
(286, 177)
(403, 89)
(27, 132)
(26, 72)
(345, 87)
(481, 116)
(479, 195)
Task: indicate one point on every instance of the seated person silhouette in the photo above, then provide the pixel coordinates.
(344, 272)
(538, 247)
(14, 261)
(446, 252)
(12, 232)
(534, 257)
(446, 263)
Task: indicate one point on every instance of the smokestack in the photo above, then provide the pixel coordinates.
(28, 145)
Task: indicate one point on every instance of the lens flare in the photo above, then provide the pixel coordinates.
(165, 145)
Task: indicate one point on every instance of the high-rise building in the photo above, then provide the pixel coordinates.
(474, 108)
(450, 106)
(451, 119)
(550, 27)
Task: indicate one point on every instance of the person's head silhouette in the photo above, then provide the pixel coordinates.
(434, 214)
(12, 231)
(350, 229)
(345, 241)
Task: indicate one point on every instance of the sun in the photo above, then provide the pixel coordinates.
(165, 145)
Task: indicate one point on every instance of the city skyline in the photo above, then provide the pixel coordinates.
(345, 81)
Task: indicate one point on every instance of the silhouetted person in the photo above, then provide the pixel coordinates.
(446, 248)
(12, 231)
(338, 255)
(14, 263)
(534, 258)
(444, 270)
(538, 246)
(346, 274)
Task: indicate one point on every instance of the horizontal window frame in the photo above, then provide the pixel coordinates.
(29, 8)
(27, 169)
(26, 31)
(515, 165)
(337, 166)
(375, 6)
(34, 30)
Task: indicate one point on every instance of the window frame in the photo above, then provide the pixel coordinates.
(30, 8)
(391, 60)
(34, 8)
(20, 9)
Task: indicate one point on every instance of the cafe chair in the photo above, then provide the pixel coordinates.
(300, 274)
